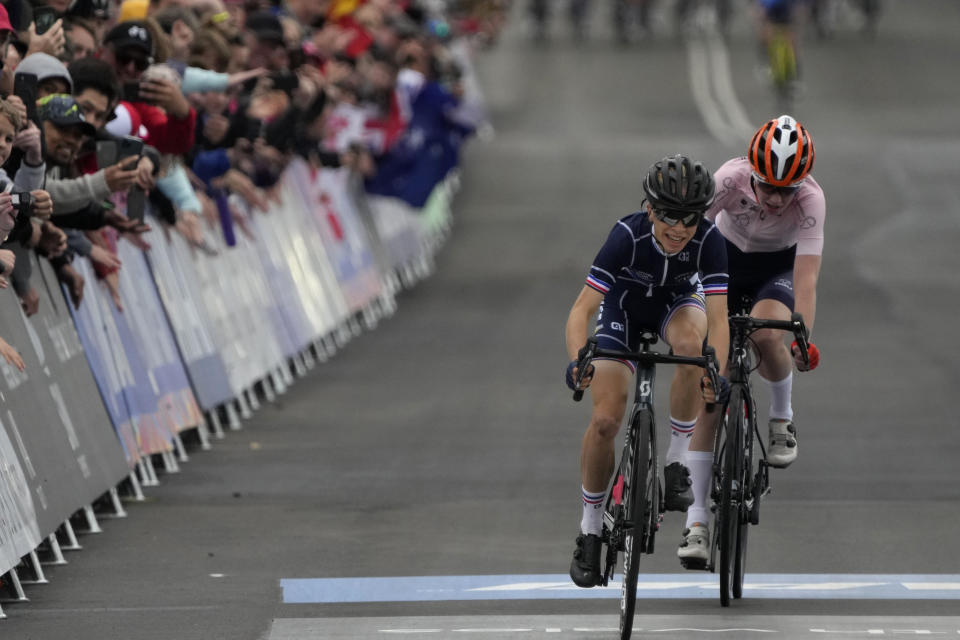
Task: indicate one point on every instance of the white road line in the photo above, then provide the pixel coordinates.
(740, 123)
(712, 86)
(713, 117)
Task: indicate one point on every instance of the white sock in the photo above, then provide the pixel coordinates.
(680, 432)
(700, 464)
(592, 520)
(781, 392)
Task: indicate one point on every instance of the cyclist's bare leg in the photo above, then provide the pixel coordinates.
(609, 390)
(685, 334)
(776, 363)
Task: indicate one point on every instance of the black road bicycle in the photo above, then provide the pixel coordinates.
(634, 506)
(740, 478)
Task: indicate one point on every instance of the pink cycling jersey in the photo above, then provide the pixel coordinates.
(743, 221)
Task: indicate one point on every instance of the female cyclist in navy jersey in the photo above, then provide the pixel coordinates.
(663, 269)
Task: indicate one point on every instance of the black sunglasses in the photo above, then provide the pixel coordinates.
(673, 217)
(770, 189)
(123, 59)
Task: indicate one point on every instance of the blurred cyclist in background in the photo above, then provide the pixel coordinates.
(771, 212)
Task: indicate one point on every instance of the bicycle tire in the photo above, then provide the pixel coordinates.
(728, 514)
(637, 517)
(748, 483)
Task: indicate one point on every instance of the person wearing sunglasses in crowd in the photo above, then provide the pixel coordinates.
(771, 212)
(662, 269)
(155, 102)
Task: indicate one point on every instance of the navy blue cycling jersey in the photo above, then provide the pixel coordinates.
(631, 265)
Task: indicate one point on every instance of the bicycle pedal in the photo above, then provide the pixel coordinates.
(693, 564)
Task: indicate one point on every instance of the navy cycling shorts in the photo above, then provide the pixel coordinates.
(619, 327)
(759, 276)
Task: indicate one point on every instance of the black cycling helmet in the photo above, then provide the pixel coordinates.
(676, 183)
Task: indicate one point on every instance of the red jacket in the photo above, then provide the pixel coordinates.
(165, 134)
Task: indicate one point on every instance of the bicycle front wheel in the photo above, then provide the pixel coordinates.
(640, 501)
(731, 486)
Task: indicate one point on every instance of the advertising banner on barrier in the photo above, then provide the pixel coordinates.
(58, 427)
(398, 227)
(176, 281)
(119, 370)
(161, 357)
(19, 531)
(307, 260)
(283, 289)
(343, 235)
(111, 371)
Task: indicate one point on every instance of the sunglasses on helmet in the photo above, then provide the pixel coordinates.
(673, 217)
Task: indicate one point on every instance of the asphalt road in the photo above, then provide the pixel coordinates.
(444, 443)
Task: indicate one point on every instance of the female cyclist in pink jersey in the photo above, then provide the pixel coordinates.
(771, 213)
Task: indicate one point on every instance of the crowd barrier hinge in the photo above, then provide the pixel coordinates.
(232, 419)
(92, 525)
(180, 449)
(243, 407)
(299, 369)
(278, 385)
(55, 550)
(38, 575)
(19, 595)
(148, 476)
(268, 392)
(217, 426)
(135, 486)
(203, 432)
(72, 543)
(118, 511)
(252, 399)
(170, 462)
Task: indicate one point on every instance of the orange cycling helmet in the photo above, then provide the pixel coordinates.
(781, 152)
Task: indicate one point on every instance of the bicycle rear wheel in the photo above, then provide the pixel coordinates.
(731, 484)
(640, 493)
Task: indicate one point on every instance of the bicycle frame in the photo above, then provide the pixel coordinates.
(642, 403)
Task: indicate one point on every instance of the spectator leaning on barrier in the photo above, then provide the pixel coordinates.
(65, 130)
(158, 104)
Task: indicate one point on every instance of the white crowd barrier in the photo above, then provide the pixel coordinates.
(201, 339)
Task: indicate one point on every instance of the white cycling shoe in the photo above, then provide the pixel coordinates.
(782, 449)
(694, 548)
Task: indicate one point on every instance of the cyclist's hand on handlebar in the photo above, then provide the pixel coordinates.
(709, 395)
(571, 376)
(813, 356)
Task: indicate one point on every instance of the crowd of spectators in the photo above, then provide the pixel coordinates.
(109, 108)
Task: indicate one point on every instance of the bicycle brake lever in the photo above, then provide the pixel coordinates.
(711, 355)
(800, 333)
(584, 356)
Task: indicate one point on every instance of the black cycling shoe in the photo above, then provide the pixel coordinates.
(678, 491)
(585, 566)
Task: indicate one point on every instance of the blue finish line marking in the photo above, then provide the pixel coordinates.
(679, 585)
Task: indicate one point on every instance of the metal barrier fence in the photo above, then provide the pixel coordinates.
(202, 338)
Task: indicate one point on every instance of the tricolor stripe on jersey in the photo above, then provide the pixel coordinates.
(598, 285)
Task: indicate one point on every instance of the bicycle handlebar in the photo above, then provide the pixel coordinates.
(748, 324)
(588, 352)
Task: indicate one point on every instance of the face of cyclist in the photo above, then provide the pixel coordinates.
(772, 198)
(672, 234)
